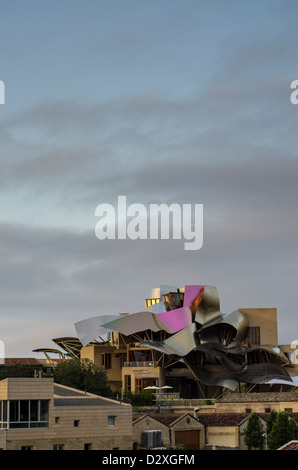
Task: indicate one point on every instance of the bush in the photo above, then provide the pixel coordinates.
(83, 375)
(143, 398)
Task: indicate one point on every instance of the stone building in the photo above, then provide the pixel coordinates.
(225, 430)
(37, 414)
(257, 402)
(185, 430)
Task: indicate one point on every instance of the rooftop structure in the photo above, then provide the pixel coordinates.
(181, 336)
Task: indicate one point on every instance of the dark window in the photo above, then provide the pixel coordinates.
(14, 410)
(34, 410)
(254, 335)
(57, 419)
(127, 382)
(58, 446)
(87, 446)
(106, 361)
(76, 423)
(24, 410)
(26, 414)
(248, 410)
(26, 447)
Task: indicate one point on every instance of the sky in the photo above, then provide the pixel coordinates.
(172, 101)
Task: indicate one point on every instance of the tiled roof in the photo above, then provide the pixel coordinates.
(167, 419)
(222, 419)
(137, 416)
(292, 445)
(260, 397)
(23, 361)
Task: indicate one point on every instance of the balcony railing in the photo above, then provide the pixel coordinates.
(139, 364)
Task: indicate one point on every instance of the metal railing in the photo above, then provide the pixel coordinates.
(139, 364)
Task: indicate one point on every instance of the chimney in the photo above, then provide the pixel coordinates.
(196, 413)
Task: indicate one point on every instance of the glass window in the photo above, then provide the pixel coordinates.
(33, 410)
(14, 410)
(26, 413)
(4, 414)
(111, 420)
(44, 410)
(127, 382)
(24, 410)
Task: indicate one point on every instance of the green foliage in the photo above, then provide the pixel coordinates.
(18, 370)
(179, 447)
(270, 421)
(284, 429)
(143, 398)
(83, 375)
(254, 432)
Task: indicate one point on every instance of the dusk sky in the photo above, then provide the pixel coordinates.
(162, 101)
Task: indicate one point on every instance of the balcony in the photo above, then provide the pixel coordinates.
(139, 364)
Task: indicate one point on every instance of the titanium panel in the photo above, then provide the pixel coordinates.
(91, 328)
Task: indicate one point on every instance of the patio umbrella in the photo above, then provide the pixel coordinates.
(165, 387)
(151, 387)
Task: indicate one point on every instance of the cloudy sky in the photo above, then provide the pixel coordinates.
(172, 101)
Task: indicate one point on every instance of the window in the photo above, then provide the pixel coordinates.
(57, 420)
(27, 413)
(127, 382)
(106, 360)
(58, 447)
(142, 383)
(26, 447)
(111, 420)
(254, 335)
(87, 446)
(267, 410)
(289, 410)
(76, 423)
(248, 410)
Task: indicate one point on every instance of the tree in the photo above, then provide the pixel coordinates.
(143, 398)
(270, 421)
(82, 374)
(254, 432)
(284, 429)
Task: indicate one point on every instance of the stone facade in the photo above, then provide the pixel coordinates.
(173, 428)
(76, 420)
